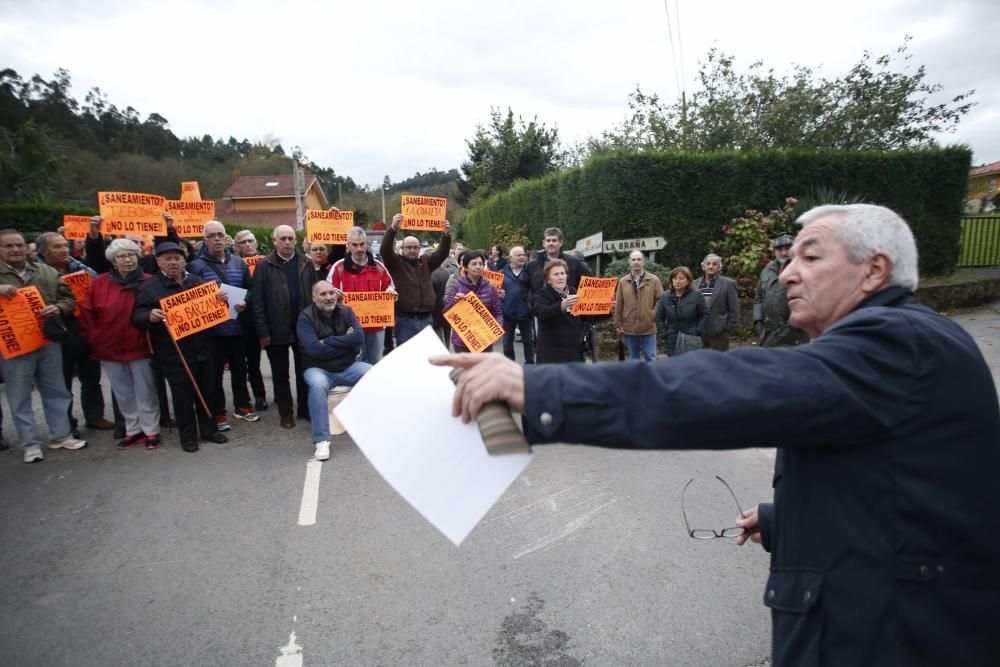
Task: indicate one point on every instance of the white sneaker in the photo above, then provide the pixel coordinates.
(322, 450)
(69, 442)
(33, 453)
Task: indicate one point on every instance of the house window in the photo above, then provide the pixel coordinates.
(993, 185)
(274, 184)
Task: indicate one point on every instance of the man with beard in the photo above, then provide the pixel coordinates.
(329, 335)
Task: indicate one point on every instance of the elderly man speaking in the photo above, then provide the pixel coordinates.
(885, 531)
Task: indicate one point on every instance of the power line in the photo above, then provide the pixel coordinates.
(680, 46)
(670, 34)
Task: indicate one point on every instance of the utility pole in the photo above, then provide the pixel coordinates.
(299, 181)
(385, 186)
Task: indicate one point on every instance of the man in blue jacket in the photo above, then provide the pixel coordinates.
(884, 533)
(219, 265)
(516, 312)
(330, 337)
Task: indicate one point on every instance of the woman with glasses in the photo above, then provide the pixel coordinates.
(681, 310)
(106, 324)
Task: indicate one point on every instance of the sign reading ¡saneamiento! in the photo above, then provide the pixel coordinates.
(423, 214)
(78, 283)
(473, 322)
(190, 216)
(126, 213)
(328, 226)
(194, 310)
(373, 309)
(76, 227)
(20, 324)
(596, 296)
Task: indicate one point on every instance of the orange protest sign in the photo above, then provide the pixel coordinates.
(194, 310)
(474, 323)
(79, 283)
(252, 262)
(190, 216)
(425, 214)
(20, 323)
(373, 309)
(190, 191)
(76, 227)
(495, 277)
(132, 213)
(328, 226)
(597, 296)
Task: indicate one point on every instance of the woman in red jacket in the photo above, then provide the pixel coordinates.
(106, 323)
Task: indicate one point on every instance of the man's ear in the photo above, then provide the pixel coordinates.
(878, 275)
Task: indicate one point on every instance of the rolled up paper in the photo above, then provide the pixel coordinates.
(496, 424)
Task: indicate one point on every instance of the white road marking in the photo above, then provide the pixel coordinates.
(291, 655)
(310, 494)
(569, 528)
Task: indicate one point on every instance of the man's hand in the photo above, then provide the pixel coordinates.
(751, 522)
(95, 227)
(264, 342)
(157, 316)
(170, 220)
(49, 311)
(447, 227)
(349, 331)
(392, 290)
(8, 291)
(396, 221)
(487, 377)
(620, 332)
(222, 296)
(240, 307)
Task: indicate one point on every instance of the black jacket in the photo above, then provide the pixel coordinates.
(272, 307)
(147, 297)
(559, 333)
(687, 313)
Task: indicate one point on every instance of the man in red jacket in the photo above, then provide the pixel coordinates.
(359, 271)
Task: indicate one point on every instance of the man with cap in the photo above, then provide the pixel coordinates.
(770, 306)
(147, 315)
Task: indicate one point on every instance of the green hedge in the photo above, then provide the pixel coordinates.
(34, 219)
(687, 198)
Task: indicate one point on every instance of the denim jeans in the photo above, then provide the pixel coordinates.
(371, 353)
(526, 325)
(320, 382)
(43, 369)
(644, 344)
(408, 326)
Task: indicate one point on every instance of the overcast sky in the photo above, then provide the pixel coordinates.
(388, 87)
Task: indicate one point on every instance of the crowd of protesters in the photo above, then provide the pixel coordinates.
(293, 311)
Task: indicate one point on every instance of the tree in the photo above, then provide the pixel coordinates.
(879, 104)
(506, 152)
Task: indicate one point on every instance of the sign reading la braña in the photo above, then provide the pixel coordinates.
(651, 243)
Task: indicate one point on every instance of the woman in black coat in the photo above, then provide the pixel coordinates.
(681, 309)
(559, 332)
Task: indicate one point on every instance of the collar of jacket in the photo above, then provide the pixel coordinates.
(206, 255)
(130, 281)
(890, 296)
(7, 268)
(351, 267)
(168, 281)
(272, 258)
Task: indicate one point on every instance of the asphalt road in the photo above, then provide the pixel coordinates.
(169, 558)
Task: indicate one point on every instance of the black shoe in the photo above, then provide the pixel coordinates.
(167, 423)
(101, 424)
(3, 445)
(131, 441)
(75, 432)
(288, 422)
(216, 438)
(260, 403)
(119, 432)
(189, 446)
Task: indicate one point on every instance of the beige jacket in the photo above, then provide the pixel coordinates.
(635, 309)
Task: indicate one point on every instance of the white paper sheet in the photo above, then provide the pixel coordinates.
(237, 295)
(400, 417)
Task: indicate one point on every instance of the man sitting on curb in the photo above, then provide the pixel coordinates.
(330, 338)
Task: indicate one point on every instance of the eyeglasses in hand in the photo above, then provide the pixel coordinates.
(707, 533)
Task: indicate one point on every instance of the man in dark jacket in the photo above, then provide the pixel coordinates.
(330, 337)
(884, 534)
(215, 263)
(147, 315)
(516, 312)
(412, 275)
(723, 303)
(532, 281)
(770, 307)
(282, 288)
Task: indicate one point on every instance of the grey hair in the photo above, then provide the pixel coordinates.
(357, 231)
(42, 242)
(867, 230)
(242, 234)
(118, 245)
(709, 256)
